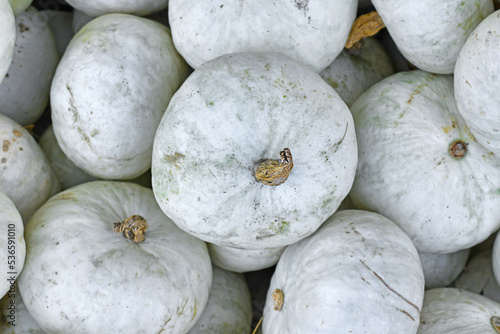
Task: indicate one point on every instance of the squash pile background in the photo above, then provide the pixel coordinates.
(434, 262)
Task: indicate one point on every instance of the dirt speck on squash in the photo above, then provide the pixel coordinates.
(6, 145)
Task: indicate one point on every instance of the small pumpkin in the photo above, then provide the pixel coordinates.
(101, 7)
(110, 91)
(311, 32)
(255, 150)
(420, 166)
(440, 270)
(13, 250)
(229, 306)
(430, 34)
(102, 257)
(476, 76)
(24, 93)
(27, 177)
(451, 310)
(359, 271)
(7, 37)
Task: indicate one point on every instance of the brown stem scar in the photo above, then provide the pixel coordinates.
(133, 228)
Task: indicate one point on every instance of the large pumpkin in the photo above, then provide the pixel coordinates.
(110, 91)
(358, 273)
(312, 32)
(231, 114)
(420, 166)
(81, 276)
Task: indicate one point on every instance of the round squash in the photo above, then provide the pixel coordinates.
(420, 166)
(110, 91)
(229, 307)
(24, 93)
(12, 243)
(241, 260)
(312, 32)
(440, 270)
(85, 274)
(237, 118)
(27, 177)
(7, 37)
(430, 34)
(357, 273)
(451, 310)
(477, 74)
(101, 7)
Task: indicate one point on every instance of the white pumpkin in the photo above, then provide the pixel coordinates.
(420, 166)
(7, 37)
(440, 270)
(478, 276)
(110, 91)
(312, 32)
(26, 177)
(241, 260)
(101, 7)
(12, 244)
(80, 276)
(356, 69)
(229, 115)
(476, 76)
(358, 273)
(229, 306)
(14, 317)
(457, 311)
(430, 34)
(24, 93)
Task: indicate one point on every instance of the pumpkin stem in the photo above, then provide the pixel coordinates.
(495, 322)
(458, 149)
(365, 26)
(275, 172)
(133, 228)
(278, 299)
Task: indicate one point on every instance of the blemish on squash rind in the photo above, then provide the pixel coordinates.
(279, 227)
(174, 159)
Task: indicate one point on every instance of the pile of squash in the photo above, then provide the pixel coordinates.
(290, 166)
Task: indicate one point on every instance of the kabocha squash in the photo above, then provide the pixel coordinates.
(110, 91)
(450, 310)
(442, 269)
(420, 166)
(358, 273)
(87, 271)
(430, 34)
(24, 93)
(254, 151)
(244, 260)
(7, 37)
(476, 78)
(26, 176)
(101, 7)
(312, 32)
(229, 306)
(12, 245)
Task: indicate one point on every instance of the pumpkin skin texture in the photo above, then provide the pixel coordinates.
(312, 32)
(357, 273)
(229, 306)
(160, 284)
(430, 34)
(102, 7)
(12, 243)
(476, 78)
(241, 260)
(229, 115)
(19, 6)
(442, 269)
(355, 70)
(450, 310)
(406, 125)
(24, 94)
(7, 37)
(26, 177)
(110, 91)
